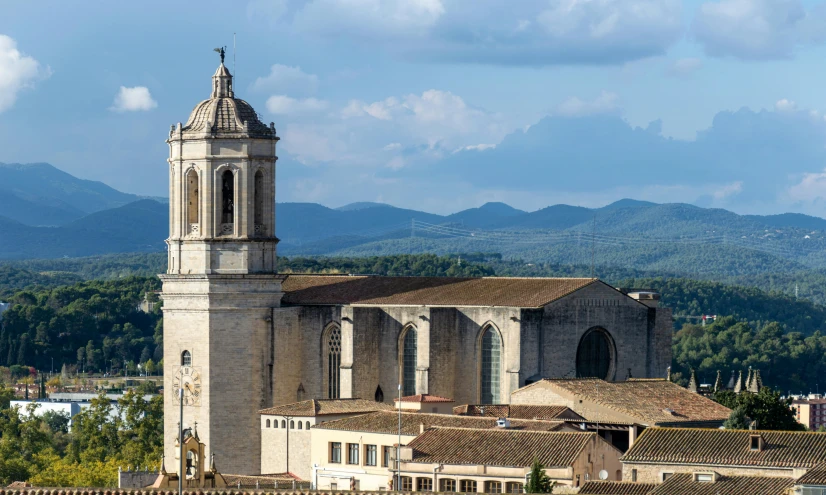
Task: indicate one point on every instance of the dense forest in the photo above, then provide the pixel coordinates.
(94, 325)
(97, 326)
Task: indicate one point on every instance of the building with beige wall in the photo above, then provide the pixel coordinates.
(810, 411)
(285, 430)
(498, 460)
(360, 450)
(239, 337)
(662, 452)
(425, 403)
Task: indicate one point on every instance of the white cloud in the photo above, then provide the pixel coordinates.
(685, 67)
(17, 71)
(286, 79)
(785, 105)
(393, 147)
(476, 147)
(728, 190)
(369, 19)
(284, 105)
(133, 100)
(757, 29)
(811, 188)
(606, 102)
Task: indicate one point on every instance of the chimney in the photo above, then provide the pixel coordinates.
(503, 423)
(421, 428)
(647, 297)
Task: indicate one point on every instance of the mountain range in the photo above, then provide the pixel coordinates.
(47, 213)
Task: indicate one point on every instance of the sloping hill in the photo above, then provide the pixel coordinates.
(36, 212)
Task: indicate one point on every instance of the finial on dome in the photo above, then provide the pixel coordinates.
(222, 52)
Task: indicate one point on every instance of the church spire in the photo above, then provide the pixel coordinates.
(692, 382)
(738, 387)
(718, 383)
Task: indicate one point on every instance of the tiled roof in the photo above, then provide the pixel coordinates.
(815, 476)
(428, 291)
(517, 411)
(727, 447)
(615, 488)
(264, 481)
(388, 422)
(424, 398)
(322, 407)
(498, 447)
(649, 401)
(227, 116)
(684, 484)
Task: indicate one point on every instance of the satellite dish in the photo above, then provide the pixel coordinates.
(603, 475)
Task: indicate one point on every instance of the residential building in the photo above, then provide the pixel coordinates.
(697, 483)
(813, 482)
(811, 413)
(426, 403)
(659, 453)
(286, 429)
(498, 460)
(359, 451)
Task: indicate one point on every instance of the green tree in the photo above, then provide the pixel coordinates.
(768, 408)
(538, 481)
(737, 420)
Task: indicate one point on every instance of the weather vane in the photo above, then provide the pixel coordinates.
(222, 51)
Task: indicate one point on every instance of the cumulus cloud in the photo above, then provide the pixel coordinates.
(685, 67)
(286, 79)
(17, 71)
(785, 105)
(810, 189)
(285, 105)
(527, 32)
(728, 190)
(134, 99)
(757, 29)
(606, 102)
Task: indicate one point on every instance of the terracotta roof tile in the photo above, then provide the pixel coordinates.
(684, 484)
(428, 291)
(322, 407)
(615, 488)
(649, 401)
(727, 447)
(498, 447)
(388, 422)
(815, 476)
(263, 481)
(424, 398)
(517, 411)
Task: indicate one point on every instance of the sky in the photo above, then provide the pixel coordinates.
(440, 105)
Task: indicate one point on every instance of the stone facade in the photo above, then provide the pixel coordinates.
(226, 322)
(653, 473)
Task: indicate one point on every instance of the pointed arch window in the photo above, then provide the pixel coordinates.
(334, 363)
(227, 202)
(379, 395)
(258, 203)
(409, 349)
(193, 205)
(491, 365)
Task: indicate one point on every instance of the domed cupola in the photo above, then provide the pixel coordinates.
(223, 115)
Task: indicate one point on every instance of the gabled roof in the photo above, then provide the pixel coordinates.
(815, 476)
(412, 422)
(322, 407)
(514, 292)
(424, 398)
(498, 447)
(517, 411)
(649, 402)
(684, 484)
(615, 488)
(728, 447)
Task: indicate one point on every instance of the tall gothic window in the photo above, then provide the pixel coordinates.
(227, 197)
(258, 198)
(594, 355)
(409, 363)
(192, 201)
(490, 378)
(334, 363)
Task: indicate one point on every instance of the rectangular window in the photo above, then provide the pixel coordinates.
(333, 486)
(335, 452)
(385, 459)
(514, 487)
(703, 478)
(466, 486)
(370, 455)
(493, 487)
(407, 484)
(633, 475)
(424, 484)
(446, 485)
(352, 453)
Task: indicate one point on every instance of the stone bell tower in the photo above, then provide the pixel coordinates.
(220, 287)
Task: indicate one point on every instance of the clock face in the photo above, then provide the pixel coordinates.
(188, 378)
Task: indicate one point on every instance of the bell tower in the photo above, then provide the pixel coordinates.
(220, 288)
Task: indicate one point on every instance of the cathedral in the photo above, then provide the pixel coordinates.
(239, 337)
